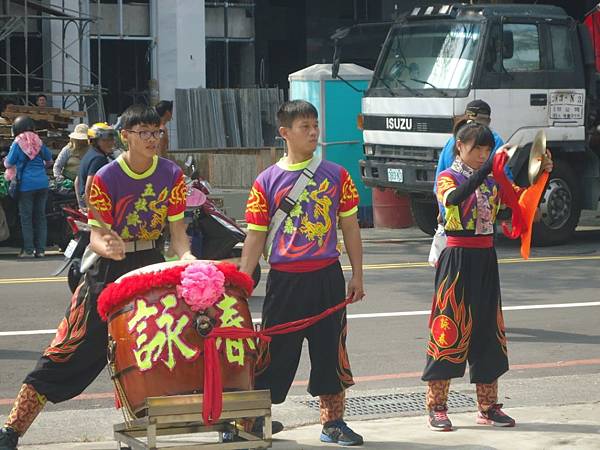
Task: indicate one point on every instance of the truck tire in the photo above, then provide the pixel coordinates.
(425, 214)
(560, 207)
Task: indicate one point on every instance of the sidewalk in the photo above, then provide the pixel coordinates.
(565, 427)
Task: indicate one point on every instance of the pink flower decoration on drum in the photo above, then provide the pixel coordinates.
(202, 285)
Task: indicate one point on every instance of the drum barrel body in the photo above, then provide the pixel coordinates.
(158, 351)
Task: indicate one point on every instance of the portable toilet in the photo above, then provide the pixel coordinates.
(339, 106)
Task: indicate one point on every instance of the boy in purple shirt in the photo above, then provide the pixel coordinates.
(306, 277)
(135, 196)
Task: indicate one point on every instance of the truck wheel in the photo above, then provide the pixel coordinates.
(560, 207)
(425, 214)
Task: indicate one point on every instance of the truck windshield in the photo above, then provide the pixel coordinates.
(429, 56)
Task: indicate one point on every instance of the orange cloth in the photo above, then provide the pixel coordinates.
(528, 202)
(509, 194)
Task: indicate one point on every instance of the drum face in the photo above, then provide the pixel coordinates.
(158, 351)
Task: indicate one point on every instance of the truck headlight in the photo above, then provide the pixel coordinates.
(368, 150)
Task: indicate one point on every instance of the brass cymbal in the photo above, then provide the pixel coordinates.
(536, 156)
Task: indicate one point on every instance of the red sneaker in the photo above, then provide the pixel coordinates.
(438, 419)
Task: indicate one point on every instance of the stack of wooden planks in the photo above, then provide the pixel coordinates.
(52, 123)
(56, 118)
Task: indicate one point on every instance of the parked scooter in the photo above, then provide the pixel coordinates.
(77, 220)
(213, 235)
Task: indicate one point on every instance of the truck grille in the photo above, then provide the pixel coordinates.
(416, 153)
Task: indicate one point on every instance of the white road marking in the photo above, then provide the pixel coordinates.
(26, 332)
(367, 316)
(504, 308)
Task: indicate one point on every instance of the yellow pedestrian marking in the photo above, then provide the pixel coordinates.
(33, 280)
(382, 266)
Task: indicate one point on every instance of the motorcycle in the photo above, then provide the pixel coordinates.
(74, 251)
(213, 235)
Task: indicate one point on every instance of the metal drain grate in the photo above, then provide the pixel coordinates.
(394, 403)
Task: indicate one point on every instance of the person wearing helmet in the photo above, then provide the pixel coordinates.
(27, 160)
(102, 143)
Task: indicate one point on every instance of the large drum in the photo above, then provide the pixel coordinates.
(157, 317)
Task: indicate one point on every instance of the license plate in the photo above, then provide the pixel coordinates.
(70, 248)
(395, 175)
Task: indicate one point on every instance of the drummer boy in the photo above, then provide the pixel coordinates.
(306, 276)
(133, 197)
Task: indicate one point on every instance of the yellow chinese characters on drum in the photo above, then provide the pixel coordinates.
(156, 343)
(158, 333)
(235, 349)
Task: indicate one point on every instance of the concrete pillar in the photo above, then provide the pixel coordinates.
(180, 52)
(66, 66)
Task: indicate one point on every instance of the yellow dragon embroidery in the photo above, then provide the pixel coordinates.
(317, 230)
(160, 212)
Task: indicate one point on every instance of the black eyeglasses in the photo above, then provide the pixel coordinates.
(145, 135)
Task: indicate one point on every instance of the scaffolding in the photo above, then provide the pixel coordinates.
(79, 96)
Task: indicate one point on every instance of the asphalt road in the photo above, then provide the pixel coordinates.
(552, 317)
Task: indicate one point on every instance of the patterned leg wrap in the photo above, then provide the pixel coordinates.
(487, 395)
(28, 404)
(437, 394)
(332, 407)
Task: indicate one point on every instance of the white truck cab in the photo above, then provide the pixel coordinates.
(533, 64)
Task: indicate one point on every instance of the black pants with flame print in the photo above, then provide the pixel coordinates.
(77, 354)
(466, 322)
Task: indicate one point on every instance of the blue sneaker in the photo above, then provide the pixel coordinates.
(230, 436)
(8, 439)
(338, 432)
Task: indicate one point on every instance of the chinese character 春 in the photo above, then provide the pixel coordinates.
(234, 348)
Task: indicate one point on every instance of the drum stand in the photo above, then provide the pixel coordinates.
(182, 414)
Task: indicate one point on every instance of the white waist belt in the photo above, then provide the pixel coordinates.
(89, 258)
